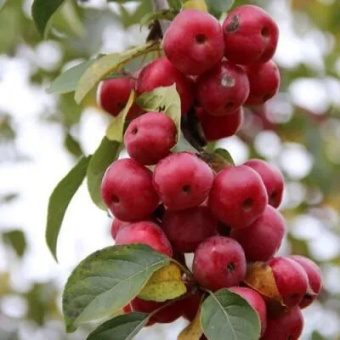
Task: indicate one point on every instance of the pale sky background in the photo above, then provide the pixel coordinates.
(86, 228)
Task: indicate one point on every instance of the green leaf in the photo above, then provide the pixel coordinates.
(196, 4)
(225, 315)
(165, 284)
(42, 11)
(59, 201)
(220, 5)
(16, 239)
(175, 4)
(167, 14)
(122, 327)
(107, 64)
(107, 280)
(115, 131)
(183, 145)
(106, 153)
(2, 3)
(68, 80)
(73, 146)
(225, 154)
(163, 99)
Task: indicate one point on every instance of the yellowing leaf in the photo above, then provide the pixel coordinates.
(108, 64)
(194, 330)
(165, 284)
(196, 4)
(115, 130)
(260, 277)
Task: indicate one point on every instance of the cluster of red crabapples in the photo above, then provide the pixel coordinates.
(227, 219)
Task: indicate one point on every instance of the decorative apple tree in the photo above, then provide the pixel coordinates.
(177, 194)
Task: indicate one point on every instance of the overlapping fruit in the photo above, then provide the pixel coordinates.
(177, 204)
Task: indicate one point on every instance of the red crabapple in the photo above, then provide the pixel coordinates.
(128, 192)
(314, 278)
(290, 278)
(288, 326)
(264, 82)
(150, 137)
(113, 94)
(272, 179)
(191, 305)
(194, 42)
(262, 239)
(160, 72)
(186, 229)
(165, 315)
(238, 196)
(219, 262)
(256, 301)
(223, 89)
(145, 232)
(250, 35)
(215, 128)
(182, 180)
(116, 226)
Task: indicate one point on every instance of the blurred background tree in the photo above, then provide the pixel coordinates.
(41, 136)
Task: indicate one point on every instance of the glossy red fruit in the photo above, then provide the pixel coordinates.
(250, 35)
(186, 229)
(290, 278)
(145, 232)
(264, 81)
(127, 309)
(166, 315)
(219, 262)
(262, 239)
(150, 137)
(115, 227)
(272, 179)
(191, 305)
(223, 89)
(161, 72)
(182, 180)
(215, 128)
(128, 184)
(288, 326)
(256, 301)
(113, 94)
(238, 196)
(314, 278)
(194, 42)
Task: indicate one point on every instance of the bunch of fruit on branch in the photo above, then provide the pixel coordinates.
(177, 203)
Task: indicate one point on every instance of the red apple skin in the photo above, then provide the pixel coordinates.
(160, 72)
(264, 82)
(150, 137)
(291, 280)
(238, 196)
(186, 229)
(215, 128)
(191, 305)
(116, 226)
(250, 35)
(219, 262)
(167, 315)
(223, 89)
(272, 179)
(263, 238)
(113, 95)
(314, 278)
(128, 184)
(182, 180)
(256, 302)
(145, 232)
(287, 326)
(194, 42)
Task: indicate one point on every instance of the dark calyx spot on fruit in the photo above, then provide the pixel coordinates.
(134, 131)
(231, 267)
(233, 25)
(247, 204)
(200, 39)
(229, 105)
(115, 199)
(227, 81)
(265, 32)
(186, 188)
